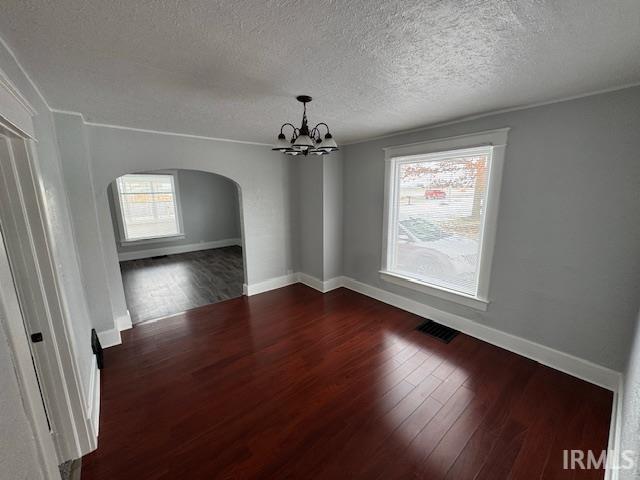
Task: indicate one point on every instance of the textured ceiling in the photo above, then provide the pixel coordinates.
(231, 69)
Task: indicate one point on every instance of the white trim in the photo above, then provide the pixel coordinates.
(422, 128)
(615, 433)
(112, 337)
(493, 142)
(270, 284)
(93, 410)
(109, 338)
(15, 109)
(316, 283)
(310, 281)
(124, 322)
(145, 241)
(24, 72)
(494, 137)
(8, 84)
(68, 112)
(439, 292)
(332, 284)
(491, 113)
(564, 362)
(158, 132)
(172, 250)
(556, 359)
(176, 134)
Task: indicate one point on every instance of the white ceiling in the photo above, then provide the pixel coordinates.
(231, 69)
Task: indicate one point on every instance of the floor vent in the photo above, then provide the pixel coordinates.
(158, 257)
(442, 333)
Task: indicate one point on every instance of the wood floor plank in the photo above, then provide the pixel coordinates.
(508, 384)
(296, 384)
(505, 451)
(161, 286)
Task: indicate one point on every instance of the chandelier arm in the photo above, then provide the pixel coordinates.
(315, 131)
(322, 123)
(291, 125)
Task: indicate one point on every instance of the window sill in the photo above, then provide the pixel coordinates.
(143, 241)
(456, 297)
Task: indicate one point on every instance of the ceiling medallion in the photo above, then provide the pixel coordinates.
(304, 141)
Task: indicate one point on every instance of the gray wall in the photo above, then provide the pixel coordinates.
(332, 203)
(630, 434)
(210, 211)
(76, 170)
(567, 255)
(310, 236)
(264, 177)
(319, 199)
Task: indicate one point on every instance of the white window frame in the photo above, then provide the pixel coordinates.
(164, 238)
(497, 139)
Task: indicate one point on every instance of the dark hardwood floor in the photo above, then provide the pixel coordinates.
(158, 287)
(296, 384)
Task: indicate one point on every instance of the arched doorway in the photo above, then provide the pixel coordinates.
(178, 236)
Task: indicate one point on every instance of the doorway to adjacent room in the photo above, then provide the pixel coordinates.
(179, 240)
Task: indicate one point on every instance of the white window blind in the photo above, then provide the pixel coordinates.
(437, 218)
(148, 205)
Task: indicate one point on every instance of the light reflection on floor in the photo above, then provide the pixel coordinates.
(414, 422)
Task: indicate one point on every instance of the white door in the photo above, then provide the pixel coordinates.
(24, 367)
(31, 298)
(25, 219)
(16, 317)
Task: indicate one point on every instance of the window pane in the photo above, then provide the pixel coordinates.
(439, 219)
(148, 206)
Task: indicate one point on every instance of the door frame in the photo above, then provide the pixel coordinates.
(28, 240)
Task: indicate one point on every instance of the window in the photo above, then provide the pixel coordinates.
(148, 206)
(441, 215)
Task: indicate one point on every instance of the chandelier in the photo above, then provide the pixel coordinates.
(304, 141)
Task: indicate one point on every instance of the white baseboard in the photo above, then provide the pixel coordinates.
(333, 283)
(310, 281)
(564, 362)
(172, 250)
(321, 286)
(124, 322)
(270, 284)
(109, 338)
(550, 357)
(93, 411)
(279, 282)
(615, 432)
